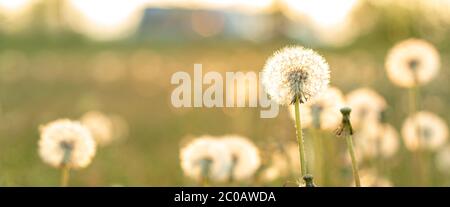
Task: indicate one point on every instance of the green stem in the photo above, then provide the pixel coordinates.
(354, 164)
(318, 156)
(298, 126)
(418, 157)
(65, 176)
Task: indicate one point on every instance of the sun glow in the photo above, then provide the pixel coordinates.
(104, 19)
(322, 12)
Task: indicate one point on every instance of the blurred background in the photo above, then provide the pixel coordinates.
(63, 58)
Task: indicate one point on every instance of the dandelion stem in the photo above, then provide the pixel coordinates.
(352, 155)
(205, 165)
(65, 167)
(298, 126)
(418, 157)
(346, 130)
(318, 155)
(65, 176)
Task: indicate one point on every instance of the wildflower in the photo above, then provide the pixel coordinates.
(424, 130)
(66, 143)
(366, 104)
(293, 75)
(205, 158)
(377, 139)
(346, 130)
(100, 125)
(323, 111)
(412, 62)
(245, 157)
(295, 72)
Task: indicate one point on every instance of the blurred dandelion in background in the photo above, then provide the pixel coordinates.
(323, 111)
(424, 130)
(59, 136)
(245, 157)
(205, 159)
(100, 125)
(67, 145)
(367, 106)
(412, 62)
(382, 142)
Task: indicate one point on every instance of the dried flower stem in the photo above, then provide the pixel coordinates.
(298, 126)
(354, 164)
(346, 130)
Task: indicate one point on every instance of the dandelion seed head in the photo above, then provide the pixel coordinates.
(322, 111)
(377, 139)
(100, 125)
(61, 135)
(366, 105)
(245, 155)
(206, 148)
(295, 72)
(412, 62)
(424, 130)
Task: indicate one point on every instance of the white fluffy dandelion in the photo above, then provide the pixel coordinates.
(424, 130)
(245, 157)
(323, 111)
(100, 125)
(366, 105)
(205, 158)
(412, 62)
(294, 75)
(295, 72)
(66, 143)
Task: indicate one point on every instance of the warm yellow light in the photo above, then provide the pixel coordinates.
(322, 12)
(104, 19)
(239, 5)
(14, 5)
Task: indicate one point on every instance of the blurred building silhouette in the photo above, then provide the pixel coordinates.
(182, 24)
